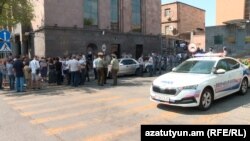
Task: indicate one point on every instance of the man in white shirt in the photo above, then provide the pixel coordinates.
(140, 60)
(74, 66)
(225, 51)
(35, 68)
(68, 59)
(82, 63)
(150, 65)
(94, 66)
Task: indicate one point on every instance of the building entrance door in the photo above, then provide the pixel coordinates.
(115, 48)
(139, 51)
(17, 45)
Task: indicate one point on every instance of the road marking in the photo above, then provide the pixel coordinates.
(37, 104)
(43, 94)
(28, 94)
(53, 131)
(117, 133)
(53, 109)
(37, 98)
(209, 119)
(95, 121)
(69, 99)
(16, 97)
(70, 115)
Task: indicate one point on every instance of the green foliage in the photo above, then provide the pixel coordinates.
(15, 11)
(88, 21)
(136, 30)
(245, 62)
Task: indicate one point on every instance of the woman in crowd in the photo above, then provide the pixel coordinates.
(44, 68)
(27, 75)
(10, 73)
(52, 71)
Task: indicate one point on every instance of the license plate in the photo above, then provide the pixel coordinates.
(163, 98)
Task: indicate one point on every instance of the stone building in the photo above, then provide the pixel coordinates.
(184, 22)
(63, 27)
(235, 36)
(227, 10)
(233, 28)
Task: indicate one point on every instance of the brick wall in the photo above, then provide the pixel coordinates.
(184, 18)
(190, 18)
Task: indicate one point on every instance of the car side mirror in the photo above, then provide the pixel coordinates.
(220, 71)
(174, 69)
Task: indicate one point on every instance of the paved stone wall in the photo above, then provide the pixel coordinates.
(64, 13)
(39, 44)
(152, 17)
(65, 41)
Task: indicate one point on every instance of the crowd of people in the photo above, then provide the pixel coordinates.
(155, 63)
(24, 73)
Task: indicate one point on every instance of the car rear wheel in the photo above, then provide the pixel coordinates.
(206, 99)
(244, 87)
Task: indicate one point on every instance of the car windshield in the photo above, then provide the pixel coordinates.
(195, 66)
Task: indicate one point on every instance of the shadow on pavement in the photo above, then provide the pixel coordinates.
(222, 105)
(89, 87)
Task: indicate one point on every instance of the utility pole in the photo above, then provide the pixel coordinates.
(160, 53)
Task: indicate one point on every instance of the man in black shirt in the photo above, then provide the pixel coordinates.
(18, 68)
(58, 65)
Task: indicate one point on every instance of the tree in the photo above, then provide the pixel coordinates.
(15, 11)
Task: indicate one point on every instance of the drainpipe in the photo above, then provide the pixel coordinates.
(192, 37)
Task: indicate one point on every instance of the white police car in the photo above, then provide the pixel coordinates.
(197, 82)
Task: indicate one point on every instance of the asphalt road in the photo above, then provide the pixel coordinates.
(95, 113)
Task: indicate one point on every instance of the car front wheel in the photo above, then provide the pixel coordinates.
(244, 87)
(206, 99)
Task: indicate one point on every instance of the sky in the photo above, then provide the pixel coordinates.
(208, 5)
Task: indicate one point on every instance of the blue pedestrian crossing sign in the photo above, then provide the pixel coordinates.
(5, 45)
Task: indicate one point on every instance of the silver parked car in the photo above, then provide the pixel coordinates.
(127, 66)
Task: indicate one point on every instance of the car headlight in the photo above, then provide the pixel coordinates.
(193, 87)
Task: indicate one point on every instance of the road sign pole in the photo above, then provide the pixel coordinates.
(5, 38)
